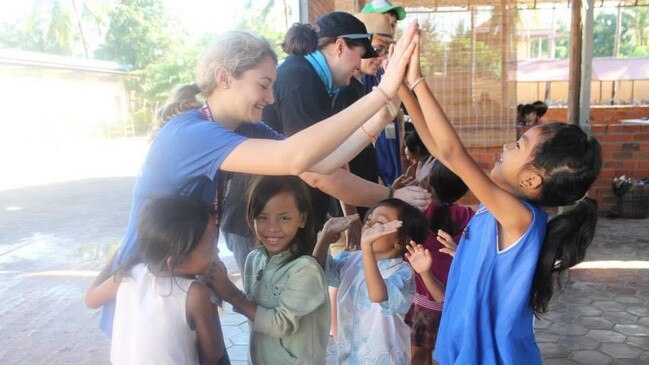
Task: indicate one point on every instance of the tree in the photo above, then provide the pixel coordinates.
(139, 33)
(57, 26)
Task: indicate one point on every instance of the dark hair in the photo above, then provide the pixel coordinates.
(265, 188)
(169, 228)
(302, 39)
(527, 109)
(414, 225)
(415, 145)
(541, 108)
(569, 161)
(449, 188)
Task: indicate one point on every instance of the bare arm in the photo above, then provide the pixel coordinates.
(421, 261)
(356, 191)
(101, 290)
(376, 289)
(510, 212)
(323, 138)
(202, 314)
(331, 232)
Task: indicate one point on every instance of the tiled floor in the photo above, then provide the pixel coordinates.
(600, 317)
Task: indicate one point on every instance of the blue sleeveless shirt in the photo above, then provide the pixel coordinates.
(487, 318)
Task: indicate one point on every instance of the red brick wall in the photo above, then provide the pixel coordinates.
(625, 151)
(602, 115)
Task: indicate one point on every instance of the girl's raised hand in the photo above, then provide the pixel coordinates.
(419, 257)
(447, 241)
(334, 227)
(396, 67)
(414, 66)
(378, 230)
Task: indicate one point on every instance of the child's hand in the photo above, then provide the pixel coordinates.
(219, 281)
(334, 227)
(449, 244)
(378, 230)
(403, 181)
(413, 73)
(419, 257)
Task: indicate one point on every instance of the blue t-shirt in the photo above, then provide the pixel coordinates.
(487, 318)
(184, 159)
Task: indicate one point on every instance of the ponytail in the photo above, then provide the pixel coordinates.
(300, 39)
(448, 188)
(181, 100)
(567, 237)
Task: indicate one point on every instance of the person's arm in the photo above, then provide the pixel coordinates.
(331, 232)
(376, 289)
(202, 314)
(323, 138)
(103, 293)
(354, 190)
(421, 261)
(509, 211)
(101, 290)
(226, 290)
(357, 141)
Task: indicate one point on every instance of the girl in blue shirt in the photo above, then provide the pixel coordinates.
(510, 255)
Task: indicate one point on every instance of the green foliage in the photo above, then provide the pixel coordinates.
(139, 33)
(56, 26)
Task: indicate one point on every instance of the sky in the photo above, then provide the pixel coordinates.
(197, 16)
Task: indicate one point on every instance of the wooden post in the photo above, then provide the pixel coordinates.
(574, 72)
(586, 65)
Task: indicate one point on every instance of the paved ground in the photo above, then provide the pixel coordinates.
(56, 233)
(600, 317)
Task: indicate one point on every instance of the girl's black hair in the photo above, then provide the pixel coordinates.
(527, 109)
(569, 161)
(449, 188)
(302, 39)
(170, 227)
(414, 226)
(541, 108)
(265, 188)
(415, 145)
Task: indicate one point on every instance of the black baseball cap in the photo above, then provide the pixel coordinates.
(344, 25)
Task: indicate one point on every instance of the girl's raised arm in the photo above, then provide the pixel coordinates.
(509, 211)
(323, 138)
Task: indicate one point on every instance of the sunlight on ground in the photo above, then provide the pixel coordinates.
(612, 264)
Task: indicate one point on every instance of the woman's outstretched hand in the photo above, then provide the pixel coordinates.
(396, 67)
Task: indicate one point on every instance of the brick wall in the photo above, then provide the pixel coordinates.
(602, 115)
(625, 151)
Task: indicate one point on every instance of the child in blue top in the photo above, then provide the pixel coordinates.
(504, 268)
(376, 285)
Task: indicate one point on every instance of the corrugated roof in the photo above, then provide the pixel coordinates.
(604, 69)
(44, 60)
